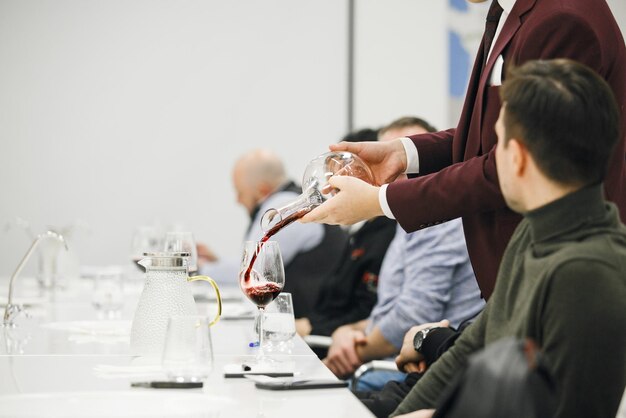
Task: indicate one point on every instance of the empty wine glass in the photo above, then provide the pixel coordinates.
(183, 242)
(108, 292)
(261, 278)
(146, 239)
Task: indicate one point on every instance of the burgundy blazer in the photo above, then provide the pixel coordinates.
(458, 175)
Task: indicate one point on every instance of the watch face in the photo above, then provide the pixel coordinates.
(418, 340)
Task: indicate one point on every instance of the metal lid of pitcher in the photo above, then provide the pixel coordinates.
(164, 259)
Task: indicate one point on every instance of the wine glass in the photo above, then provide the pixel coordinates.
(146, 239)
(261, 278)
(183, 242)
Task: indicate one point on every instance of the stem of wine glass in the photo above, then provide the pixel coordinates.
(261, 354)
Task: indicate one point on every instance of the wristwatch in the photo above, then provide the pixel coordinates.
(419, 338)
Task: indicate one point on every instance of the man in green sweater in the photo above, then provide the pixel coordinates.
(562, 280)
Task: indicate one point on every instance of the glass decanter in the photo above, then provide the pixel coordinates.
(315, 187)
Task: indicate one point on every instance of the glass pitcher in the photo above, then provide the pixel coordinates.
(315, 187)
(165, 294)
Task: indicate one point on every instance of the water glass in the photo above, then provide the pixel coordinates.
(188, 352)
(108, 292)
(179, 242)
(146, 239)
(279, 325)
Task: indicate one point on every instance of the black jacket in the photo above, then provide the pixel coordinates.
(349, 293)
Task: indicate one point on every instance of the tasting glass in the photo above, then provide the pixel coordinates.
(146, 239)
(108, 292)
(183, 242)
(279, 326)
(261, 278)
(188, 351)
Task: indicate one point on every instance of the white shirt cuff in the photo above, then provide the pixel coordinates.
(412, 158)
(382, 200)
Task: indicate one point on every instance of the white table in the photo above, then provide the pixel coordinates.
(49, 369)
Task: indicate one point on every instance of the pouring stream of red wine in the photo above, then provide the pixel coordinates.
(280, 225)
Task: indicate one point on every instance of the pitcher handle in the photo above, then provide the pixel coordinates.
(217, 293)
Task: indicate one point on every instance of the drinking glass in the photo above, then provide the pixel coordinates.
(188, 351)
(261, 278)
(108, 292)
(146, 239)
(183, 242)
(280, 326)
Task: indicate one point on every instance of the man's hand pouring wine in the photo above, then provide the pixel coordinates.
(387, 160)
(356, 201)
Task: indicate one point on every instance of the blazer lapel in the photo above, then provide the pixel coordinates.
(512, 24)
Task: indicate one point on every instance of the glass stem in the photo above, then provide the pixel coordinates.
(261, 350)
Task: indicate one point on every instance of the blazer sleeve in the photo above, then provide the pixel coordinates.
(458, 190)
(472, 186)
(436, 149)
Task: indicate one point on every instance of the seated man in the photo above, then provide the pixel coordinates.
(561, 281)
(309, 251)
(426, 276)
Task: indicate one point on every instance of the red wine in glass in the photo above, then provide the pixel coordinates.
(262, 294)
(263, 284)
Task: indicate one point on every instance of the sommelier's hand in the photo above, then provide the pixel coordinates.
(356, 201)
(387, 160)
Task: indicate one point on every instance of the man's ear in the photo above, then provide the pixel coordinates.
(264, 189)
(518, 154)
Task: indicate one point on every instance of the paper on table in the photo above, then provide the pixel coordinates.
(277, 369)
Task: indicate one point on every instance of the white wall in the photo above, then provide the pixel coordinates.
(401, 61)
(124, 112)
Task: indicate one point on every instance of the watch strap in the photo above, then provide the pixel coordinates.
(439, 340)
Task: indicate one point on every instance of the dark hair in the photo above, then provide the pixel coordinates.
(565, 115)
(407, 121)
(362, 135)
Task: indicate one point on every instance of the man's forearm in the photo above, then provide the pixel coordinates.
(377, 347)
(359, 326)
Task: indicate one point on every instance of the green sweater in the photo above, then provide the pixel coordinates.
(562, 282)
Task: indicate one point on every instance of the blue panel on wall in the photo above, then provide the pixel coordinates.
(459, 65)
